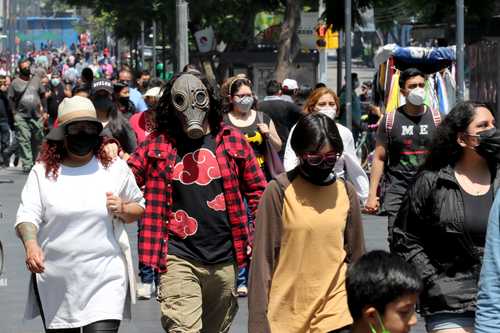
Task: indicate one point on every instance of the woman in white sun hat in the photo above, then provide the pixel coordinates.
(70, 221)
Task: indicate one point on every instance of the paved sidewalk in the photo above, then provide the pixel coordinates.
(146, 316)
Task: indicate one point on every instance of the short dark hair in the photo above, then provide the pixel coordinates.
(377, 279)
(88, 75)
(125, 69)
(144, 72)
(84, 86)
(408, 74)
(273, 88)
(313, 131)
(319, 85)
(22, 61)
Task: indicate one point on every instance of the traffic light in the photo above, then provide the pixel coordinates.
(321, 35)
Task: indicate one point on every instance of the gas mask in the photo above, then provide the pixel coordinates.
(191, 101)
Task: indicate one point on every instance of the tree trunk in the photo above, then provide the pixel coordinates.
(286, 51)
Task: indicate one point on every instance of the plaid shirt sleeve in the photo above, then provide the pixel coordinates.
(252, 181)
(137, 162)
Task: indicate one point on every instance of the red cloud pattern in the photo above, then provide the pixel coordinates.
(218, 203)
(183, 225)
(199, 167)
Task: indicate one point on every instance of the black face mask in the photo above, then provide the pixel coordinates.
(82, 143)
(103, 103)
(317, 175)
(145, 83)
(25, 71)
(124, 100)
(489, 145)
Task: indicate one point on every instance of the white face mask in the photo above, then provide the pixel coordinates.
(244, 104)
(416, 96)
(328, 111)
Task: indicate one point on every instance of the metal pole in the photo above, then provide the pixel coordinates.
(497, 47)
(460, 50)
(339, 62)
(348, 56)
(142, 45)
(323, 53)
(154, 48)
(182, 34)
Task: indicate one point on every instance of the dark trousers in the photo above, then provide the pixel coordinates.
(392, 204)
(105, 326)
(4, 142)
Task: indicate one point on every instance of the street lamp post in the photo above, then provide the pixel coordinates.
(182, 34)
(154, 49)
(348, 57)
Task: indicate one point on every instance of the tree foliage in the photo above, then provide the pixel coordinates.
(390, 12)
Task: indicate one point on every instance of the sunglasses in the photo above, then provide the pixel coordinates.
(82, 128)
(316, 159)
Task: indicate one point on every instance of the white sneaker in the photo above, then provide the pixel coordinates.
(144, 290)
(242, 291)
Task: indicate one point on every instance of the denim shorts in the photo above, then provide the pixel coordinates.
(446, 321)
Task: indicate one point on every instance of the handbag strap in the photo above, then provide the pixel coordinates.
(17, 100)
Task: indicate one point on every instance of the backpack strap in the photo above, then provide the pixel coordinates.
(436, 116)
(389, 123)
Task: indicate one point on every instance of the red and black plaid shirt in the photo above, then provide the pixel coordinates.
(152, 165)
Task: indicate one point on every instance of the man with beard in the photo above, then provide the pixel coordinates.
(197, 172)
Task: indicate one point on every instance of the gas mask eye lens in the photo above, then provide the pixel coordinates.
(180, 101)
(201, 99)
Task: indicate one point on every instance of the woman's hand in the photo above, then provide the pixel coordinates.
(128, 212)
(114, 203)
(372, 205)
(264, 129)
(34, 257)
(112, 150)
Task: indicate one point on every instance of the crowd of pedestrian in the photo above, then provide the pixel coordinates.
(234, 196)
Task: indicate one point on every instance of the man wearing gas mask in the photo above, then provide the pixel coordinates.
(197, 173)
(402, 143)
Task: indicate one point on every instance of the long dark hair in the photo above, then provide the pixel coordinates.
(117, 122)
(167, 120)
(444, 149)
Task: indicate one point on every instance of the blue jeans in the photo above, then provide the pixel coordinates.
(242, 279)
(148, 275)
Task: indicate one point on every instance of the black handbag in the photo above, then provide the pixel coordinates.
(272, 161)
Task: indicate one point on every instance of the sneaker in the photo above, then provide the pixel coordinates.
(242, 291)
(144, 290)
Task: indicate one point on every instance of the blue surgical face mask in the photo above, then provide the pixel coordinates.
(55, 82)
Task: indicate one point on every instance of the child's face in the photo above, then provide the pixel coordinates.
(400, 316)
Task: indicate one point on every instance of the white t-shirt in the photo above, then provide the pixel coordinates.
(347, 166)
(85, 278)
